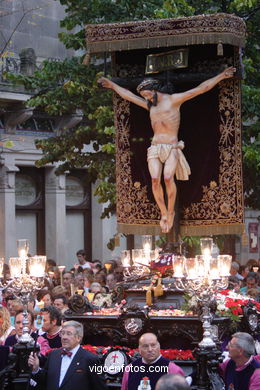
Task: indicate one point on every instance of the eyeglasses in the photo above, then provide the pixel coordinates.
(65, 333)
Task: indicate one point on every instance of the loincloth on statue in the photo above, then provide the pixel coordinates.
(162, 152)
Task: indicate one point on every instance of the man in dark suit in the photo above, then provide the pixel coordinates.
(71, 367)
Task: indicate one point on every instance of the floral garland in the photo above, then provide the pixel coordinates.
(172, 354)
(226, 303)
(231, 304)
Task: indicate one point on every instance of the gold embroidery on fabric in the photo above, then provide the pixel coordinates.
(133, 205)
(197, 29)
(222, 203)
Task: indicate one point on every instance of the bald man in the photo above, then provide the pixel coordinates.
(145, 371)
(172, 382)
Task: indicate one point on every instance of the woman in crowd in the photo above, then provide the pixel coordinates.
(6, 329)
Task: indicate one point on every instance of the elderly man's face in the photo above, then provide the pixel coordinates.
(149, 347)
(233, 350)
(69, 337)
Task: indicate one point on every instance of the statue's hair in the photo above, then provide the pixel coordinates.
(149, 85)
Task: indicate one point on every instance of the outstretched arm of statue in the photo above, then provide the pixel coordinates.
(205, 86)
(124, 93)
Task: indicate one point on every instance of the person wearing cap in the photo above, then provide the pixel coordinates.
(166, 151)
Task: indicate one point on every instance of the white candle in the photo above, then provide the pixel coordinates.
(214, 274)
(192, 274)
(178, 272)
(206, 253)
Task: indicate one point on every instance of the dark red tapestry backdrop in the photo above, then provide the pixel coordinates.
(211, 202)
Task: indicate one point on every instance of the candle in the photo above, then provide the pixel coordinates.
(214, 274)
(224, 263)
(61, 269)
(37, 266)
(192, 274)
(72, 289)
(125, 262)
(178, 272)
(147, 247)
(15, 267)
(206, 253)
(1, 266)
(125, 258)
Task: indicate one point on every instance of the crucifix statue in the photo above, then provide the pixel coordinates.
(165, 153)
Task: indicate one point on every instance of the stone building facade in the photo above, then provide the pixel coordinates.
(58, 214)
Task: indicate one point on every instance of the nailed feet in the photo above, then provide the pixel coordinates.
(166, 222)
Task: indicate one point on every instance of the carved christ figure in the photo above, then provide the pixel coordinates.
(165, 151)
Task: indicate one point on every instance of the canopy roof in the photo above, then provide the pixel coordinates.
(194, 30)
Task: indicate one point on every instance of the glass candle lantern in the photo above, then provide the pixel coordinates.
(147, 243)
(206, 246)
(37, 266)
(191, 267)
(23, 247)
(200, 266)
(137, 257)
(1, 266)
(16, 265)
(125, 258)
(178, 266)
(224, 264)
(214, 269)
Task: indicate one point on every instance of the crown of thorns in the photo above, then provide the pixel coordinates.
(148, 84)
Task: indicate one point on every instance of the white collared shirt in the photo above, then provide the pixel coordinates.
(153, 361)
(65, 363)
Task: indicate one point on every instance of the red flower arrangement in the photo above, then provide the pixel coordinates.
(232, 304)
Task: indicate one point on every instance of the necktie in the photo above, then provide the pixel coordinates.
(64, 352)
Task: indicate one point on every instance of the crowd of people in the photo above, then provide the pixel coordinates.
(92, 279)
(245, 279)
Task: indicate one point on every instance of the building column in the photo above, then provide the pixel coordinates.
(7, 210)
(102, 231)
(55, 216)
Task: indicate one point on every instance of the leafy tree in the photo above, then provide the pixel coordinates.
(64, 87)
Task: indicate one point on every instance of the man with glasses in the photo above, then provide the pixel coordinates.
(145, 371)
(71, 367)
(241, 371)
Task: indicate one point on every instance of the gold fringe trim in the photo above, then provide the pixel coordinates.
(205, 230)
(169, 40)
(153, 230)
(236, 228)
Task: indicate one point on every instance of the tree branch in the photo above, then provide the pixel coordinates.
(25, 13)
